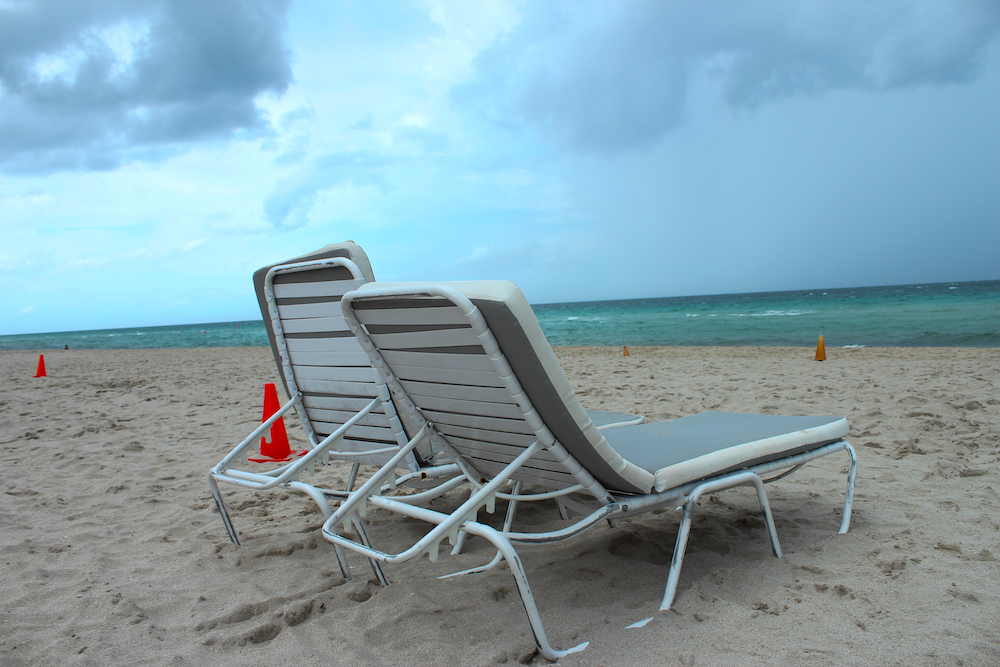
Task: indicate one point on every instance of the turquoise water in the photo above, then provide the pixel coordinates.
(945, 314)
(220, 334)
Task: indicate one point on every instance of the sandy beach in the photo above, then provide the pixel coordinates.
(113, 552)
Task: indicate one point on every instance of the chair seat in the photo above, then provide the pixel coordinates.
(707, 444)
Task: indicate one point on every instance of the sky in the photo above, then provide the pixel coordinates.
(154, 153)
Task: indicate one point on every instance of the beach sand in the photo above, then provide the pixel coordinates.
(113, 553)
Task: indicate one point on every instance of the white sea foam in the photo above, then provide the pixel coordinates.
(776, 313)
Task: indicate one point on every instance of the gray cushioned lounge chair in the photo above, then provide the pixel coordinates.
(468, 363)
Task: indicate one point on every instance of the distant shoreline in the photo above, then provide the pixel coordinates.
(926, 315)
(605, 350)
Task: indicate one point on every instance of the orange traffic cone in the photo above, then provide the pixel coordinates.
(40, 373)
(820, 350)
(625, 350)
(278, 449)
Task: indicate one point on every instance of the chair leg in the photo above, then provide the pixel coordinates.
(765, 507)
(324, 505)
(508, 521)
(459, 543)
(505, 548)
(345, 569)
(359, 527)
(845, 521)
(353, 477)
(680, 546)
(684, 530)
(223, 513)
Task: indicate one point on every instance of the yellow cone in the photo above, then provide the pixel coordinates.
(820, 350)
(625, 350)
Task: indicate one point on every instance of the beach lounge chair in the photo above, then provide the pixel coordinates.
(469, 364)
(342, 404)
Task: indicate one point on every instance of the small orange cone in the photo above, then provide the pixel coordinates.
(625, 350)
(278, 449)
(40, 373)
(820, 350)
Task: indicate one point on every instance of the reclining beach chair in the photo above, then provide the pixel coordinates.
(469, 364)
(342, 404)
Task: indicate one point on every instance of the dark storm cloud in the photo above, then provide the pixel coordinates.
(608, 76)
(91, 84)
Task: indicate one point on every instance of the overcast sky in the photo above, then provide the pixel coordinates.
(154, 153)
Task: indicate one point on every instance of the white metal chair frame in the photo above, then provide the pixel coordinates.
(613, 505)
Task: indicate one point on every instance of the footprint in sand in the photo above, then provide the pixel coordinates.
(634, 547)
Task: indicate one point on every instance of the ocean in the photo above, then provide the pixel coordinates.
(963, 314)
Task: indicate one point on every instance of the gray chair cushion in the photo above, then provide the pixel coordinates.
(690, 448)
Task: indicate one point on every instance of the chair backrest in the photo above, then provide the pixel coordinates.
(317, 354)
(471, 359)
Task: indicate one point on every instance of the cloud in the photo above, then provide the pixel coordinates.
(93, 84)
(188, 247)
(422, 140)
(289, 204)
(364, 123)
(519, 257)
(597, 76)
(29, 309)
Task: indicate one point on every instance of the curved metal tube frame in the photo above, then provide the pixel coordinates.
(448, 524)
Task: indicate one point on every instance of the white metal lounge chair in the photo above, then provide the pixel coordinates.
(342, 404)
(469, 363)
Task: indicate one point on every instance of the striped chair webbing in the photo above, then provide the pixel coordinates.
(432, 351)
(327, 363)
